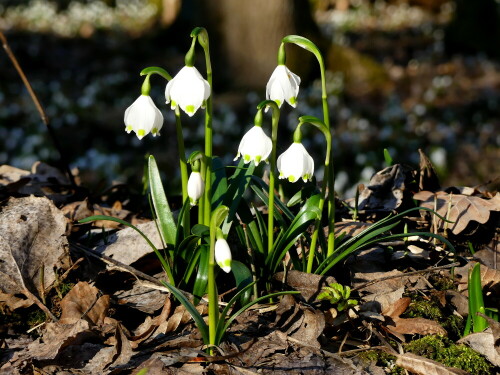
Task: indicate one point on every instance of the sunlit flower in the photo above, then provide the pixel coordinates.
(283, 86)
(188, 90)
(223, 255)
(296, 163)
(255, 145)
(143, 117)
(195, 187)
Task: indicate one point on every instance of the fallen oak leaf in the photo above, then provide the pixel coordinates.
(83, 302)
(458, 208)
(424, 366)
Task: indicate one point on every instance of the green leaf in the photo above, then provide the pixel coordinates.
(201, 282)
(387, 157)
(219, 182)
(307, 214)
(198, 319)
(261, 189)
(243, 278)
(238, 184)
(160, 203)
(476, 301)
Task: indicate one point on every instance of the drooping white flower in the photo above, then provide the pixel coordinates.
(188, 90)
(195, 187)
(223, 255)
(283, 86)
(296, 163)
(255, 145)
(143, 117)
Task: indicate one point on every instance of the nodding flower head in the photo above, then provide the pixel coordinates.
(255, 145)
(223, 255)
(283, 86)
(188, 90)
(195, 187)
(143, 117)
(296, 163)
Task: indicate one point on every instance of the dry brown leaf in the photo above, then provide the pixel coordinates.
(484, 344)
(428, 177)
(32, 241)
(350, 228)
(424, 366)
(83, 302)
(410, 326)
(128, 246)
(386, 189)
(460, 209)
(490, 278)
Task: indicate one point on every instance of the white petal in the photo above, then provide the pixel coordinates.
(143, 116)
(255, 145)
(283, 86)
(188, 89)
(223, 255)
(195, 187)
(295, 163)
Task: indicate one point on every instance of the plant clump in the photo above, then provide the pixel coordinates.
(443, 350)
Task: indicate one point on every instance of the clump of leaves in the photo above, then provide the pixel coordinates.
(443, 350)
(442, 282)
(338, 295)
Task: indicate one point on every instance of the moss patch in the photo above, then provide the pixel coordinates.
(443, 350)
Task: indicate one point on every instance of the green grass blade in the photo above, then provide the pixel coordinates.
(160, 203)
(198, 319)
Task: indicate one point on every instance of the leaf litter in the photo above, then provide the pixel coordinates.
(115, 318)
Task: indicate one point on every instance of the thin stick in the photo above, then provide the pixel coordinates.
(38, 106)
(433, 269)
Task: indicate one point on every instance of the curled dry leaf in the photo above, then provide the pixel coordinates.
(424, 366)
(83, 302)
(458, 208)
(386, 189)
(410, 326)
(32, 244)
(484, 344)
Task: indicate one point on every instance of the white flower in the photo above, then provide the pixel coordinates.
(223, 255)
(188, 90)
(255, 145)
(296, 163)
(283, 86)
(143, 117)
(195, 187)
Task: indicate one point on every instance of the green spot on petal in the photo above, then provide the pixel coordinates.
(258, 158)
(141, 132)
(291, 178)
(190, 108)
(278, 102)
(129, 128)
(246, 158)
(155, 132)
(293, 100)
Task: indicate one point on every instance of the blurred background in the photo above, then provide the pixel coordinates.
(402, 75)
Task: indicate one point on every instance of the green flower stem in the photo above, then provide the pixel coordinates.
(156, 70)
(201, 34)
(216, 220)
(272, 175)
(317, 227)
(182, 154)
(329, 172)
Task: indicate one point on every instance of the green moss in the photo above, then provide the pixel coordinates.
(441, 282)
(424, 309)
(35, 318)
(454, 325)
(443, 350)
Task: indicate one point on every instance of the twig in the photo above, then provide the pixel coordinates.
(117, 263)
(39, 303)
(405, 274)
(39, 108)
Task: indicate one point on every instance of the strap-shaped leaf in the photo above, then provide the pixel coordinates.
(243, 278)
(160, 203)
(219, 182)
(201, 282)
(476, 301)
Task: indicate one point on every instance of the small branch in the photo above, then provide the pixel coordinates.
(39, 303)
(38, 106)
(405, 274)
